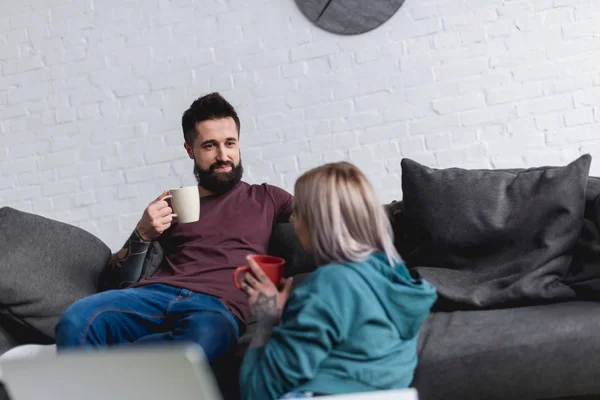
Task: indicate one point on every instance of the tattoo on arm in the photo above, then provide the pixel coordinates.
(264, 327)
(265, 309)
(126, 264)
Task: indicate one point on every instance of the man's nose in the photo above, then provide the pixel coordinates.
(222, 154)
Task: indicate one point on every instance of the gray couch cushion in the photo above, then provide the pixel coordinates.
(495, 238)
(285, 244)
(532, 352)
(45, 266)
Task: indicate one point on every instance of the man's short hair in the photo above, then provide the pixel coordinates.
(211, 106)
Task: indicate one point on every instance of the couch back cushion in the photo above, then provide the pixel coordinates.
(584, 274)
(285, 244)
(45, 266)
(493, 238)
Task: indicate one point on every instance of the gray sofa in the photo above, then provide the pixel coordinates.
(535, 348)
(518, 314)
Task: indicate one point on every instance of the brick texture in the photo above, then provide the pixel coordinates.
(91, 94)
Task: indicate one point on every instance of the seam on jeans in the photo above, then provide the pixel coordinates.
(93, 317)
(172, 302)
(189, 296)
(225, 306)
(229, 315)
(228, 310)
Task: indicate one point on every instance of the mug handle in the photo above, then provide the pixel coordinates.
(169, 197)
(237, 273)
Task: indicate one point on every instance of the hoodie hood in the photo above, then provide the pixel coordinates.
(406, 300)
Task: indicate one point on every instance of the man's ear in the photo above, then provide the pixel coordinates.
(189, 150)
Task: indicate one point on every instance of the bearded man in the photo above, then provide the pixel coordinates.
(192, 296)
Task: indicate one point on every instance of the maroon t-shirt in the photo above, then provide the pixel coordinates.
(202, 256)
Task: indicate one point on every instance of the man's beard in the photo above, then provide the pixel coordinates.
(219, 182)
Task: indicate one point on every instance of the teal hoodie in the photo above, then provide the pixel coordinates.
(347, 328)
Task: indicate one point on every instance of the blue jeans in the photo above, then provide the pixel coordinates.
(153, 313)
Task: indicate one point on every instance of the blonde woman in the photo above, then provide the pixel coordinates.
(352, 325)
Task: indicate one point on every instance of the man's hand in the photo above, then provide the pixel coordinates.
(156, 219)
(264, 298)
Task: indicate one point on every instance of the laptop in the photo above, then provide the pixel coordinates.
(128, 373)
(131, 373)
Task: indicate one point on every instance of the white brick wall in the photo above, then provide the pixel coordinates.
(91, 94)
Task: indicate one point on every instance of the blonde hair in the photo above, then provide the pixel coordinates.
(341, 211)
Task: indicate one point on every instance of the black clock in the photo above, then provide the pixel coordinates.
(349, 17)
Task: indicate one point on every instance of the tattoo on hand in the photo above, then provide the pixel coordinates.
(265, 306)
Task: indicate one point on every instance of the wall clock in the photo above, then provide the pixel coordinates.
(349, 17)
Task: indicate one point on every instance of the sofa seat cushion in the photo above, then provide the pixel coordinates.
(535, 352)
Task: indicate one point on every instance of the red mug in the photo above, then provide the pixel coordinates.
(271, 266)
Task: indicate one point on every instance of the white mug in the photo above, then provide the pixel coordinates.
(185, 201)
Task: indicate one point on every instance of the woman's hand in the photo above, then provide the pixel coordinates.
(265, 300)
